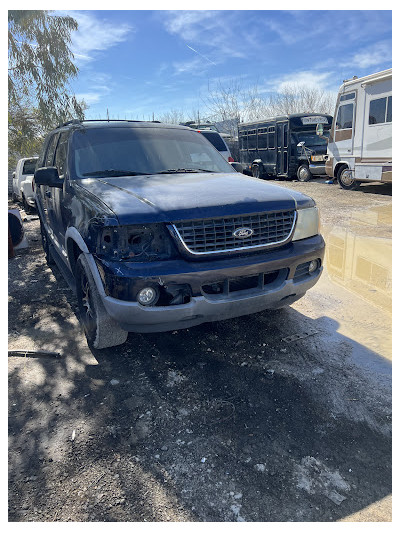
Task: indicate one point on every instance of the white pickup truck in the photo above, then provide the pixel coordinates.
(22, 182)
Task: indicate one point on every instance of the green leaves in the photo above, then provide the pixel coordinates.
(40, 66)
(41, 62)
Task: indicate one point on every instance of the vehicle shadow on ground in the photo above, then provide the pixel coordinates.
(228, 421)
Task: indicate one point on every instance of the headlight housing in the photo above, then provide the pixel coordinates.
(307, 224)
(141, 243)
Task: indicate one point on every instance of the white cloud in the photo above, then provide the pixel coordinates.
(90, 97)
(215, 34)
(192, 66)
(374, 55)
(94, 35)
(308, 78)
(97, 85)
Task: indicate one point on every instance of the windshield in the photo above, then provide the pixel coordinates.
(311, 138)
(112, 151)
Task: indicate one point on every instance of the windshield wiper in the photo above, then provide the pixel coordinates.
(179, 170)
(115, 172)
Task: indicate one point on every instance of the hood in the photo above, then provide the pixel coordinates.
(184, 196)
(320, 149)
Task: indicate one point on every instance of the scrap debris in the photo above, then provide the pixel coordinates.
(299, 336)
(32, 353)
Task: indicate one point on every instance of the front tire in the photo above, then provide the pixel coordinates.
(100, 329)
(346, 180)
(46, 246)
(255, 170)
(303, 173)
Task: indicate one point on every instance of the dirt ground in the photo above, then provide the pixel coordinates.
(280, 416)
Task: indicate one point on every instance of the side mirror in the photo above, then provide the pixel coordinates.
(319, 130)
(48, 176)
(302, 143)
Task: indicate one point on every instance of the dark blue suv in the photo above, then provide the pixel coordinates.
(161, 233)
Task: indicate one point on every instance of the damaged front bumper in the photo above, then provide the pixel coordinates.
(214, 290)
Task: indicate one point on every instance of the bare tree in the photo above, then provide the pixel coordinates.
(173, 116)
(232, 102)
(300, 99)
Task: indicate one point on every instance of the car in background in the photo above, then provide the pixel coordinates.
(200, 125)
(22, 182)
(218, 142)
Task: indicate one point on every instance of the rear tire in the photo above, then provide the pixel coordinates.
(27, 208)
(303, 173)
(100, 329)
(346, 180)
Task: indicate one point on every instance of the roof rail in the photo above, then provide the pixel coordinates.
(77, 121)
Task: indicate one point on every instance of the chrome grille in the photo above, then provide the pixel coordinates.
(213, 235)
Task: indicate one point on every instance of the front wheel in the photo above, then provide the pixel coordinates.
(346, 180)
(46, 246)
(100, 329)
(303, 173)
(255, 170)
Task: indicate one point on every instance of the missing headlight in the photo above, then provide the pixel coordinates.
(135, 243)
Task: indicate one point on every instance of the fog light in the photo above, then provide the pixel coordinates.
(147, 296)
(313, 266)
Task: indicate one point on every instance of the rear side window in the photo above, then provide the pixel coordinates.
(50, 151)
(262, 138)
(271, 137)
(243, 140)
(252, 139)
(61, 153)
(215, 139)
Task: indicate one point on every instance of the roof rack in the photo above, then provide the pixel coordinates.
(77, 121)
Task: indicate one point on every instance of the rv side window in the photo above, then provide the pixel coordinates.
(349, 96)
(252, 139)
(380, 110)
(271, 138)
(262, 138)
(344, 119)
(389, 110)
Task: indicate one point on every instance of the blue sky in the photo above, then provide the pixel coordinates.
(134, 63)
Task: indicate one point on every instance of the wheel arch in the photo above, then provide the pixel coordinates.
(74, 245)
(338, 167)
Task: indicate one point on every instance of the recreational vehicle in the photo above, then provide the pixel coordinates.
(360, 141)
(286, 146)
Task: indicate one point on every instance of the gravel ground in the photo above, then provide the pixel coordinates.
(275, 417)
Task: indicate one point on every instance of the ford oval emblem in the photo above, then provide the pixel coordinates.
(243, 233)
